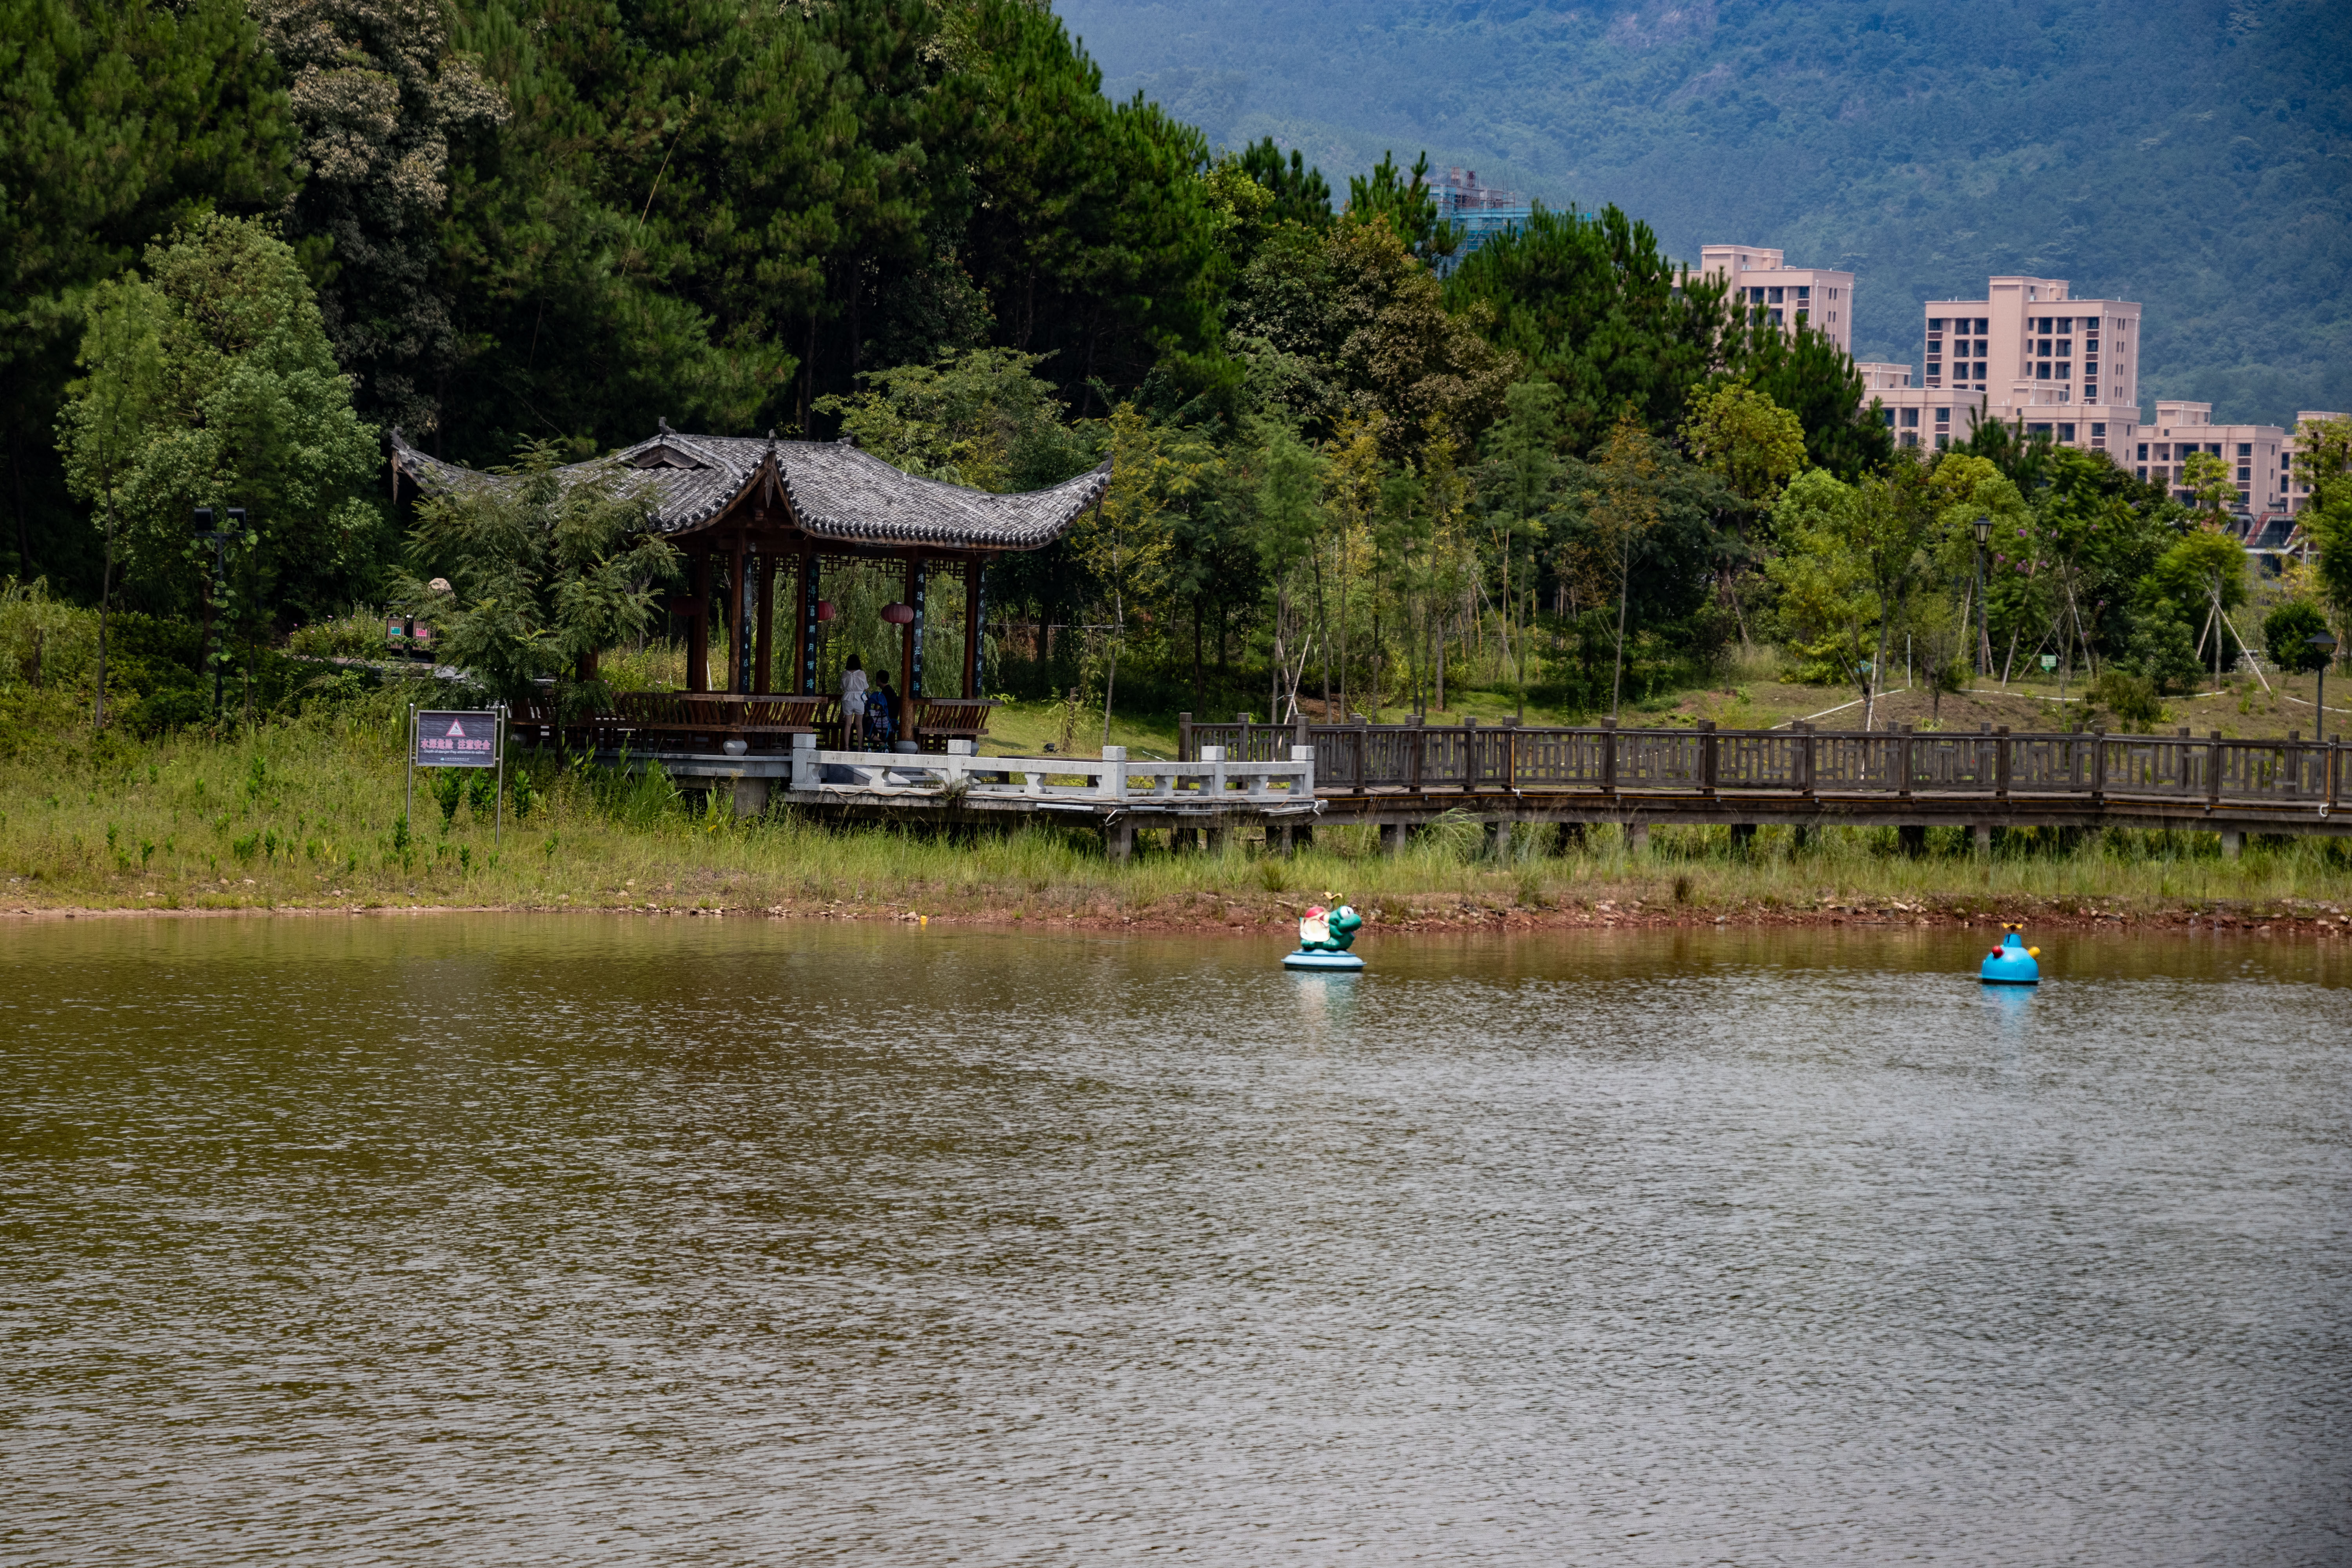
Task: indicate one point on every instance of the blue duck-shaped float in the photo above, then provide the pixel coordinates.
(2013, 962)
(1324, 938)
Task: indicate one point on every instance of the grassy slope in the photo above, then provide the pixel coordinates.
(305, 816)
(2187, 156)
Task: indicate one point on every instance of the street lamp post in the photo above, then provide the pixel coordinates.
(220, 539)
(1983, 650)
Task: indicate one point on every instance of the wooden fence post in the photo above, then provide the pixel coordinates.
(1363, 752)
(2213, 770)
(2098, 766)
(1469, 753)
(1183, 737)
(1805, 759)
(2001, 762)
(1609, 756)
(1707, 755)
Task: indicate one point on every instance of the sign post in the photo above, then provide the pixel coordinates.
(440, 738)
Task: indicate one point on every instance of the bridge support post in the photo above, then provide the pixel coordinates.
(1982, 834)
(1567, 838)
(1803, 839)
(1119, 840)
(749, 798)
(1743, 837)
(1216, 834)
(1498, 839)
(1637, 838)
(1392, 839)
(1913, 836)
(2233, 843)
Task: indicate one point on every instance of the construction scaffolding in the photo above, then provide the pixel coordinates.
(1479, 211)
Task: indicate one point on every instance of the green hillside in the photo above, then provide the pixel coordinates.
(2195, 157)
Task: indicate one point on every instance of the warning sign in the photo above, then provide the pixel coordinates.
(456, 740)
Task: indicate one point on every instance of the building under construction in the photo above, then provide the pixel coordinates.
(1479, 211)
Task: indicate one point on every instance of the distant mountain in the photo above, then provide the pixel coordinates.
(2197, 157)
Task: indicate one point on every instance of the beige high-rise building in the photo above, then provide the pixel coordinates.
(1762, 280)
(2027, 352)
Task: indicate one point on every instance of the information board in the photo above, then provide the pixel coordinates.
(444, 740)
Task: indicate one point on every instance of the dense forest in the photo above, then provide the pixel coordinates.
(2192, 155)
(245, 242)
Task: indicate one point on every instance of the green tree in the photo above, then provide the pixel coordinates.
(1519, 490)
(1860, 559)
(984, 418)
(378, 94)
(118, 119)
(209, 381)
(1288, 524)
(1755, 446)
(1126, 541)
(110, 415)
(1407, 204)
(1093, 230)
(2287, 631)
(1346, 325)
(2206, 475)
(543, 574)
(2322, 461)
(1593, 305)
(1300, 194)
(1802, 370)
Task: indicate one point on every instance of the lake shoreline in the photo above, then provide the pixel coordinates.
(1238, 920)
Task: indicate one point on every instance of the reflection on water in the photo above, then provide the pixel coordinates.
(502, 1240)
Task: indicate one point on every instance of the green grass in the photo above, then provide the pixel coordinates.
(309, 813)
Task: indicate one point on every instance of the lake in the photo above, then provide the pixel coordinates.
(588, 1239)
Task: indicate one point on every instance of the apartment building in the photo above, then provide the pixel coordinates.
(2260, 455)
(1762, 280)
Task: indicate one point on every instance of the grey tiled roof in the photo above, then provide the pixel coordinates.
(838, 493)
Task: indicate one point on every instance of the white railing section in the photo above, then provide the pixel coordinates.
(1211, 783)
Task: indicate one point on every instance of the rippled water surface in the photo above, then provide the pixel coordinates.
(502, 1240)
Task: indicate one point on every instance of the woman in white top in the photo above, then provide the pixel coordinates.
(853, 703)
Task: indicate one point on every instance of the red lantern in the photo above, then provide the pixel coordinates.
(824, 611)
(898, 614)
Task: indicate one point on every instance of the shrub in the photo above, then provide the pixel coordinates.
(2287, 631)
(2130, 696)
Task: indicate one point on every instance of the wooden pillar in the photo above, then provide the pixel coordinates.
(907, 634)
(762, 674)
(739, 656)
(975, 572)
(805, 625)
(698, 630)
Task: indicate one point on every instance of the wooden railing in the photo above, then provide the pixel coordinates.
(1466, 757)
(706, 721)
(1209, 783)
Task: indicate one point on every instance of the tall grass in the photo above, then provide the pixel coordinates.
(312, 812)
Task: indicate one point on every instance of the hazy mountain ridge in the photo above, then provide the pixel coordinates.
(2195, 157)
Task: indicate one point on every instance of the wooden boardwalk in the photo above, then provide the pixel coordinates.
(1240, 778)
(1396, 776)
